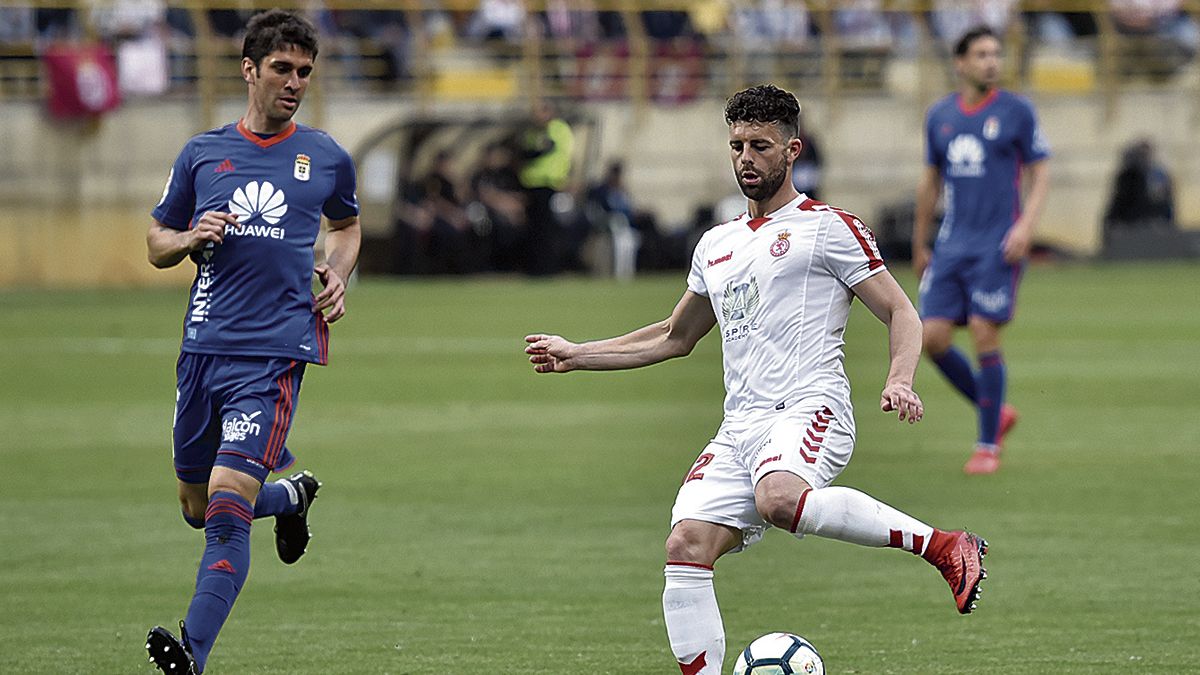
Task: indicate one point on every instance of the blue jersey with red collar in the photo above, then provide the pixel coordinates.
(252, 295)
(979, 153)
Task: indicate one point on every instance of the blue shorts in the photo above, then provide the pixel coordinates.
(235, 412)
(959, 287)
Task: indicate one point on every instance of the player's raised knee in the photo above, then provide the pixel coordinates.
(777, 497)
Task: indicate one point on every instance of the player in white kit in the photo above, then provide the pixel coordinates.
(778, 281)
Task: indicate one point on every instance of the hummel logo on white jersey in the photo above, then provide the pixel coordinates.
(258, 200)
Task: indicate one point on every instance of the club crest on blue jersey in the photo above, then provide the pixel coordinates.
(991, 128)
(300, 171)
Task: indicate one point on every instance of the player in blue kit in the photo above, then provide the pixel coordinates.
(979, 141)
(244, 202)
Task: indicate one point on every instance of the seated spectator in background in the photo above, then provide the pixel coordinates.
(57, 23)
(861, 24)
(452, 242)
(952, 18)
(806, 170)
(496, 188)
(1057, 29)
(765, 24)
(128, 19)
(1164, 19)
(769, 31)
(356, 35)
(610, 196)
(227, 22)
(16, 25)
(498, 20)
(571, 21)
(1143, 193)
(412, 220)
(663, 25)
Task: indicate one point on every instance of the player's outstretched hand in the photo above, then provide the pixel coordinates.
(549, 353)
(209, 230)
(902, 398)
(332, 299)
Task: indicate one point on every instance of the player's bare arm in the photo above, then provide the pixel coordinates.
(888, 302)
(1019, 239)
(167, 246)
(928, 190)
(341, 251)
(674, 336)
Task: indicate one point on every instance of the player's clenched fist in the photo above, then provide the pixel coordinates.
(549, 353)
(209, 228)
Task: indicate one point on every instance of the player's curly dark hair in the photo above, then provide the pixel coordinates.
(968, 38)
(278, 29)
(765, 104)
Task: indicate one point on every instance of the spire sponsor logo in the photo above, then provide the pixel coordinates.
(241, 427)
(738, 303)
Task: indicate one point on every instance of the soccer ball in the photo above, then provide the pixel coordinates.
(779, 654)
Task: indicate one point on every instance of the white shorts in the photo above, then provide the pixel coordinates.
(719, 488)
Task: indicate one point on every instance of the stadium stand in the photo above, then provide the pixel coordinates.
(631, 75)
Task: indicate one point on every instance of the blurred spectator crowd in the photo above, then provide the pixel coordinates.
(518, 204)
(760, 28)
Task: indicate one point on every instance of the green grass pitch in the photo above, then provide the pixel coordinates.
(479, 518)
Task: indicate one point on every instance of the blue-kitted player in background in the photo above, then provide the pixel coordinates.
(244, 202)
(979, 141)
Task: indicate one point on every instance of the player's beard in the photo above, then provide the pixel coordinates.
(767, 186)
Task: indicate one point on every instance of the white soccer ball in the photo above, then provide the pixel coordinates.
(779, 654)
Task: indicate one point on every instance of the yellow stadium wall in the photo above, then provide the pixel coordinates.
(74, 199)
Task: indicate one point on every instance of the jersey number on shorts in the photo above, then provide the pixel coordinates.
(701, 462)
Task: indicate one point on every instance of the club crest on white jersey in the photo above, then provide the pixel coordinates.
(781, 244)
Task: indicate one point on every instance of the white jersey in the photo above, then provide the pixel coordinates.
(780, 288)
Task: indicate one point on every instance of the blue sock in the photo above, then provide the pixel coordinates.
(222, 571)
(275, 499)
(991, 395)
(957, 369)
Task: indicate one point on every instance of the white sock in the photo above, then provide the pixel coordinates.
(849, 515)
(693, 619)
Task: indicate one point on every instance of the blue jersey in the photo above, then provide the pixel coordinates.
(979, 153)
(252, 295)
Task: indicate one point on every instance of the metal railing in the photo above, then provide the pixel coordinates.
(416, 48)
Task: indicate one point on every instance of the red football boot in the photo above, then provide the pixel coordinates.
(983, 461)
(1008, 420)
(960, 560)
